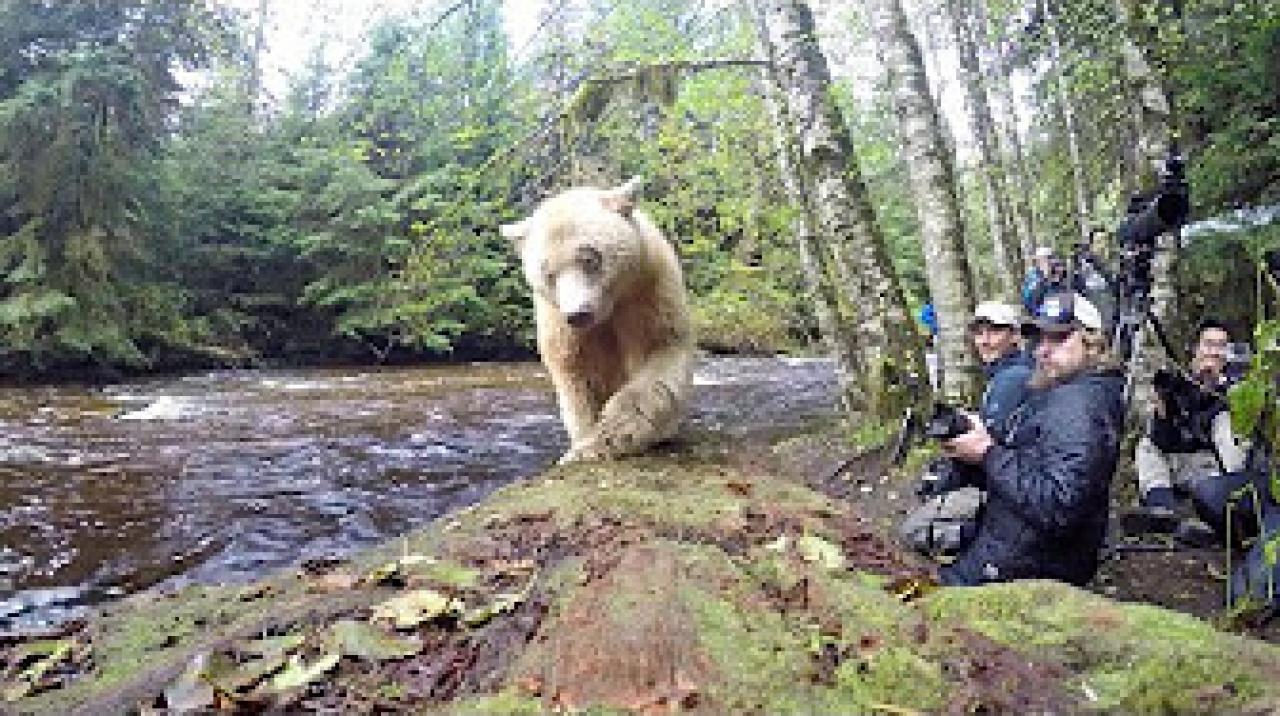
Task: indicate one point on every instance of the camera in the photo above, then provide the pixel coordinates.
(1166, 210)
(947, 422)
(1187, 425)
(1148, 216)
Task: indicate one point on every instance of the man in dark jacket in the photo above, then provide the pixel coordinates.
(1047, 480)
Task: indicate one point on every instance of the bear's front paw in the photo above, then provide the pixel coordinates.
(585, 452)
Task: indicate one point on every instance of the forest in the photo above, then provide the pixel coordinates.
(274, 439)
(163, 210)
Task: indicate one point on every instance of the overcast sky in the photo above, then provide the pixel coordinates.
(294, 26)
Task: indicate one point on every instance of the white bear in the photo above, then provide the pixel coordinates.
(612, 317)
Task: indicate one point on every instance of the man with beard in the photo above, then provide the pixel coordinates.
(1047, 479)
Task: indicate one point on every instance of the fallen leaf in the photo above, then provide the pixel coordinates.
(272, 646)
(910, 588)
(48, 654)
(229, 677)
(339, 581)
(190, 691)
(815, 549)
(501, 604)
(409, 610)
(363, 640)
(298, 673)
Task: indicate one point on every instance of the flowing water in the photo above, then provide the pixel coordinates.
(226, 476)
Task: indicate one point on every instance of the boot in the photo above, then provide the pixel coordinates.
(1157, 513)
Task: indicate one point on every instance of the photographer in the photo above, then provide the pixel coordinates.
(1033, 284)
(944, 522)
(1047, 480)
(1189, 437)
(1089, 277)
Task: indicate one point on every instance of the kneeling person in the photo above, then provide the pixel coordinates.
(1189, 438)
(1047, 479)
(946, 520)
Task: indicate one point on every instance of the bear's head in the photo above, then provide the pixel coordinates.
(581, 250)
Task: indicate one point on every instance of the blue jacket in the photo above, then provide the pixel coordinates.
(1006, 389)
(1047, 485)
(929, 317)
(1030, 287)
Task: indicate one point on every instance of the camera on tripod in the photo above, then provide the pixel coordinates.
(1164, 210)
(1150, 216)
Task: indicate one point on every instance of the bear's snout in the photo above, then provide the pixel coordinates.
(578, 297)
(580, 319)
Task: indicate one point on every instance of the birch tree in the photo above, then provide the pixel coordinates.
(826, 305)
(1063, 104)
(934, 187)
(1006, 266)
(1015, 159)
(843, 216)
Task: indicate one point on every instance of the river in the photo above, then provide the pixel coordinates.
(226, 476)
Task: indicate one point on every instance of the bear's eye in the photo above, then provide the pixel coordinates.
(589, 258)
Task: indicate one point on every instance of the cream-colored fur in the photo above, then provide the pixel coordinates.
(623, 378)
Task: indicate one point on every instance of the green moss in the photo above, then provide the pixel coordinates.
(759, 658)
(144, 633)
(645, 491)
(1130, 658)
(504, 704)
(893, 675)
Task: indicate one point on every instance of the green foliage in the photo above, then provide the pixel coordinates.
(359, 217)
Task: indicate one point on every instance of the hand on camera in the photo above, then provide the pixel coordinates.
(970, 447)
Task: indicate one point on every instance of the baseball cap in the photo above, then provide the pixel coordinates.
(1061, 312)
(997, 314)
(1044, 252)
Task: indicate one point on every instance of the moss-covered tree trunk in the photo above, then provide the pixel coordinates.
(934, 187)
(826, 306)
(844, 218)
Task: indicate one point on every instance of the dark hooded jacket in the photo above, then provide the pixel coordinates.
(1047, 484)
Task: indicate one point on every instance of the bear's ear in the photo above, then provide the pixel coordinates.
(623, 199)
(515, 231)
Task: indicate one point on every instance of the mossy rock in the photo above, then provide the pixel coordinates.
(691, 584)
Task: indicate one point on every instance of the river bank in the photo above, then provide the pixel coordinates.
(708, 578)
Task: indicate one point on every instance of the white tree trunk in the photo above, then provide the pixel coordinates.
(1065, 106)
(1006, 266)
(844, 218)
(1017, 160)
(933, 185)
(838, 344)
